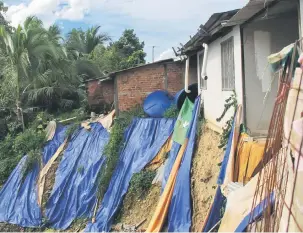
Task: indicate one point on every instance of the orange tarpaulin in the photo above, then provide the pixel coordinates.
(160, 157)
(249, 155)
(160, 214)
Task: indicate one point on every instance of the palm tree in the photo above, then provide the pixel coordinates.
(85, 42)
(80, 45)
(24, 50)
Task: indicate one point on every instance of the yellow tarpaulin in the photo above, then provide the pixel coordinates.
(249, 155)
(160, 214)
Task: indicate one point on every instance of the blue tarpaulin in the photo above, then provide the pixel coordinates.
(52, 146)
(179, 217)
(215, 212)
(18, 198)
(74, 191)
(256, 213)
(143, 140)
(222, 173)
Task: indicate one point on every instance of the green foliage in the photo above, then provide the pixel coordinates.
(78, 224)
(29, 140)
(84, 42)
(34, 158)
(80, 169)
(229, 102)
(12, 148)
(114, 146)
(122, 54)
(141, 183)
(172, 112)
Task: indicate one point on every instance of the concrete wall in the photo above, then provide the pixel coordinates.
(134, 85)
(214, 97)
(260, 39)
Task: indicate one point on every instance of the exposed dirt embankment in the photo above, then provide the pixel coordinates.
(205, 171)
(135, 210)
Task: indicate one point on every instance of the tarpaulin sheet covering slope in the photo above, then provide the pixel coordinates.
(172, 155)
(18, 200)
(179, 217)
(52, 146)
(143, 140)
(74, 192)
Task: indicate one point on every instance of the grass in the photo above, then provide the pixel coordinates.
(171, 112)
(141, 183)
(80, 169)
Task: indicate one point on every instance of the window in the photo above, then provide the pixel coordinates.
(199, 70)
(228, 65)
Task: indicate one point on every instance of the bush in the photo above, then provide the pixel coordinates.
(28, 141)
(12, 149)
(141, 183)
(171, 112)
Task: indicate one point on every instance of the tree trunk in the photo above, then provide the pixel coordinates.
(18, 102)
(20, 114)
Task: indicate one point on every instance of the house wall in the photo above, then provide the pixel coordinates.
(100, 93)
(192, 76)
(214, 97)
(261, 39)
(134, 85)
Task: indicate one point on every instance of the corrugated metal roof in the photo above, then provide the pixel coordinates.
(143, 65)
(208, 30)
(251, 9)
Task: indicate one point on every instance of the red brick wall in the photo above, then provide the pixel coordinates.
(175, 74)
(100, 93)
(134, 85)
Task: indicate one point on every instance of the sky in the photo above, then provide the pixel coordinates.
(160, 23)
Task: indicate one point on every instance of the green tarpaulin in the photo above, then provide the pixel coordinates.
(183, 121)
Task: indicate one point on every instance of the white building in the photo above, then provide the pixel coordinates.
(239, 42)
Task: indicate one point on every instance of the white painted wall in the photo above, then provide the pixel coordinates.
(214, 97)
(278, 33)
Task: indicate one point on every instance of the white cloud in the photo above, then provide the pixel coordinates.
(156, 10)
(169, 53)
(157, 22)
(44, 9)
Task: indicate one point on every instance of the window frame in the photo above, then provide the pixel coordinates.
(224, 88)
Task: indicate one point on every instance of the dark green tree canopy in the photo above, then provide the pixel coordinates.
(122, 54)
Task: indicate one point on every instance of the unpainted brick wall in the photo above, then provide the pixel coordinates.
(134, 85)
(100, 93)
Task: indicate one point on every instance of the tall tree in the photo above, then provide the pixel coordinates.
(84, 42)
(3, 21)
(122, 54)
(24, 48)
